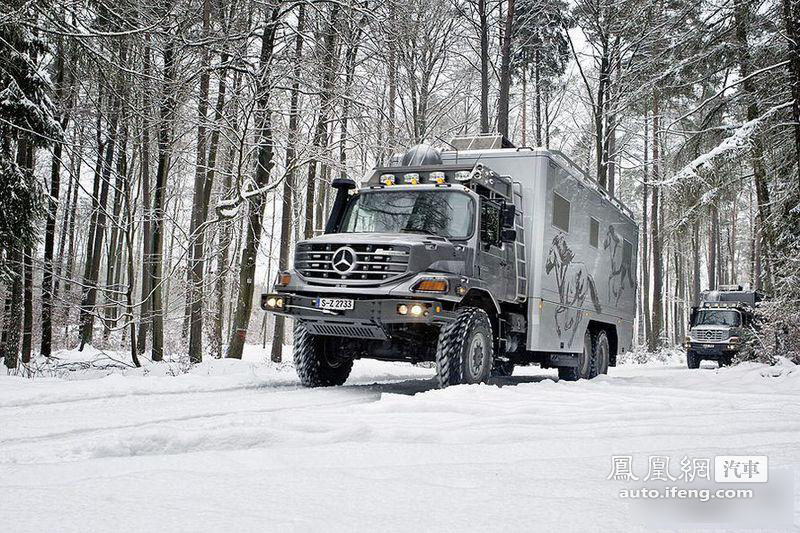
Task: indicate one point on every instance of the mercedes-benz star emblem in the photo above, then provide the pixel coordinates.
(344, 260)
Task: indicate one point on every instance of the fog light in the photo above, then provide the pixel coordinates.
(402, 309)
(461, 291)
(279, 302)
(416, 309)
(271, 302)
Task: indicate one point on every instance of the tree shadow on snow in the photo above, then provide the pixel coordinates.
(411, 387)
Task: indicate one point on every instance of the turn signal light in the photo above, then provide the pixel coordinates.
(432, 285)
(283, 279)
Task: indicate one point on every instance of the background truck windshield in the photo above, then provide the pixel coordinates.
(444, 213)
(715, 317)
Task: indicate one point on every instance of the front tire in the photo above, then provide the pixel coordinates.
(465, 350)
(317, 361)
(692, 360)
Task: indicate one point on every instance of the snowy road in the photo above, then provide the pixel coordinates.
(236, 446)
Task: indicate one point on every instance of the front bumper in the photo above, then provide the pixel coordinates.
(369, 318)
(718, 349)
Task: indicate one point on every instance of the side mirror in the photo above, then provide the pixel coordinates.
(508, 235)
(509, 212)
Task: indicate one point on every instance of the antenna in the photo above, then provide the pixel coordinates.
(450, 145)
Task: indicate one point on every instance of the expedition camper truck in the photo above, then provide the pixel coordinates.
(717, 324)
(479, 258)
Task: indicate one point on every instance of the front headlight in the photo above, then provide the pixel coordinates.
(434, 285)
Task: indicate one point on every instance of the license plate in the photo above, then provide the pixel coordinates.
(708, 346)
(334, 303)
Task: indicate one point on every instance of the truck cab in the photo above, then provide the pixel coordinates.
(718, 324)
(432, 260)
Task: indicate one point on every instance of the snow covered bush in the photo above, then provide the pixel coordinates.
(640, 355)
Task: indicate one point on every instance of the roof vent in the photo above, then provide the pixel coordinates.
(421, 155)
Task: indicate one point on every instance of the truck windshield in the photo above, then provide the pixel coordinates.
(445, 213)
(716, 317)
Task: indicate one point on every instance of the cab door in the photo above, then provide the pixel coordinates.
(493, 262)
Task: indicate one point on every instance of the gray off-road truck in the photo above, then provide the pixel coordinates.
(717, 325)
(480, 257)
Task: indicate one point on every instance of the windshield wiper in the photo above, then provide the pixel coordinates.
(423, 231)
(418, 230)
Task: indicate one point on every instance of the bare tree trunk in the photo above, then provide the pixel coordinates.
(321, 128)
(658, 285)
(265, 152)
(27, 310)
(505, 71)
(199, 207)
(483, 17)
(648, 323)
(73, 209)
(112, 269)
(147, 214)
(13, 318)
(392, 74)
(90, 282)
(599, 116)
(289, 179)
(166, 116)
(50, 227)
(696, 262)
(524, 107)
(62, 239)
(713, 246)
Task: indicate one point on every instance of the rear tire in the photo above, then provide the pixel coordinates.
(601, 353)
(692, 360)
(317, 361)
(585, 368)
(464, 353)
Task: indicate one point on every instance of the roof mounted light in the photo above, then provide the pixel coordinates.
(387, 179)
(412, 178)
(463, 175)
(438, 177)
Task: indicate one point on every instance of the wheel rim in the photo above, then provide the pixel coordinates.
(477, 350)
(331, 359)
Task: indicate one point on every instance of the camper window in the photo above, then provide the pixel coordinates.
(560, 212)
(594, 232)
(490, 222)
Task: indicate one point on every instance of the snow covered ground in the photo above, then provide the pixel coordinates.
(237, 445)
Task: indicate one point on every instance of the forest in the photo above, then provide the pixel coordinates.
(159, 159)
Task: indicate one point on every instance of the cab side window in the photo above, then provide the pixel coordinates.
(490, 222)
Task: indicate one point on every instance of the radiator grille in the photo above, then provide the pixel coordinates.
(371, 263)
(711, 335)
